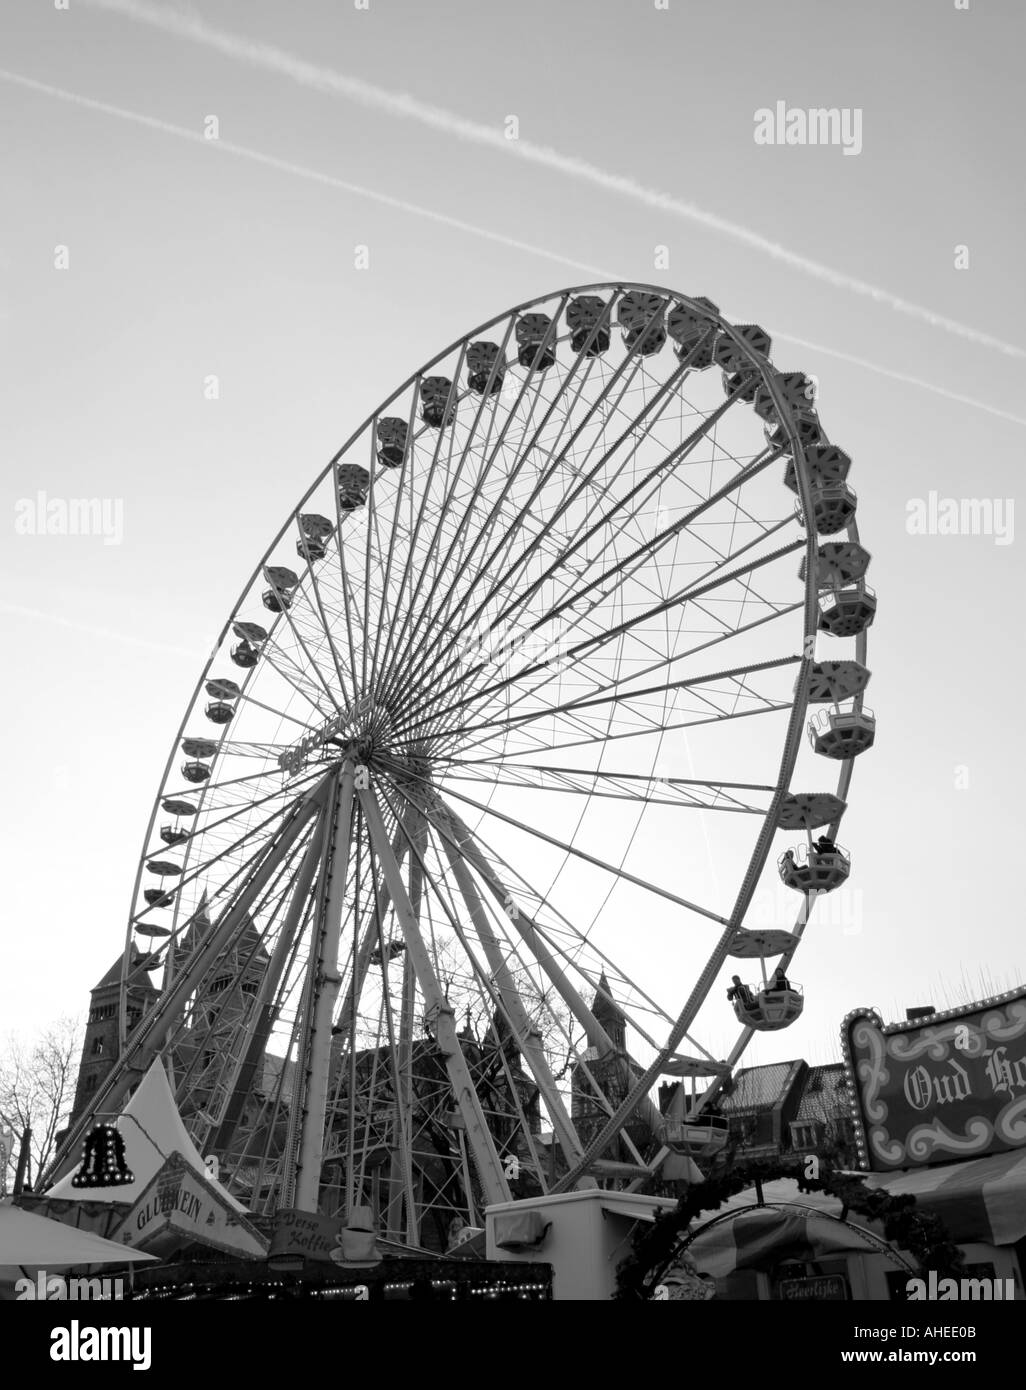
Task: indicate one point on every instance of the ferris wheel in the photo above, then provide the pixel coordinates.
(554, 672)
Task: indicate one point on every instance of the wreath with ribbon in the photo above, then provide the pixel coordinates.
(655, 1247)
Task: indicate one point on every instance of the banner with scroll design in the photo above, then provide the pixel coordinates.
(942, 1088)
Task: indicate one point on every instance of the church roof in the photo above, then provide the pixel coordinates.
(246, 948)
(195, 931)
(113, 975)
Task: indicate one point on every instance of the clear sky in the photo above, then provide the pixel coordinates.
(236, 258)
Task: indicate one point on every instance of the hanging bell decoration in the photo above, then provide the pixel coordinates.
(103, 1160)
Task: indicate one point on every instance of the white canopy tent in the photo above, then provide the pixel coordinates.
(30, 1243)
(153, 1130)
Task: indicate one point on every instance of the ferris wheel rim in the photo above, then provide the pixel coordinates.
(757, 362)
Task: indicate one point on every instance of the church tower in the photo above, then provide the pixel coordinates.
(100, 1048)
(223, 1013)
(608, 1012)
(613, 1073)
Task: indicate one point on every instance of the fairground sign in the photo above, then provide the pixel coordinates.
(179, 1209)
(949, 1086)
(294, 759)
(830, 1288)
(305, 1235)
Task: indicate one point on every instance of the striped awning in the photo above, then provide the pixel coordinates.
(762, 1237)
(983, 1199)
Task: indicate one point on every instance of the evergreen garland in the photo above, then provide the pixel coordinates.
(922, 1234)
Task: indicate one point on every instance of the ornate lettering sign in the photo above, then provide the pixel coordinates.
(179, 1209)
(294, 759)
(949, 1086)
(819, 1288)
(305, 1234)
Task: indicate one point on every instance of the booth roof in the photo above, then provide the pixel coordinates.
(982, 1199)
(36, 1242)
(153, 1130)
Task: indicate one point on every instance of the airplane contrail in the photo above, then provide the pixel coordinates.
(472, 229)
(892, 375)
(300, 170)
(40, 615)
(401, 104)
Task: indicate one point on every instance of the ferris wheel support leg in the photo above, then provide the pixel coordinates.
(325, 981)
(400, 1180)
(243, 1082)
(527, 1036)
(486, 1160)
(595, 1033)
(367, 944)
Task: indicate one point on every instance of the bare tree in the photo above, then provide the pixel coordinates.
(37, 1088)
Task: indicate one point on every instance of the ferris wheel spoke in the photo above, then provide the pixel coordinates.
(174, 944)
(597, 737)
(325, 625)
(605, 401)
(676, 653)
(626, 696)
(576, 543)
(248, 806)
(536, 379)
(530, 388)
(246, 780)
(368, 550)
(557, 461)
(538, 938)
(595, 643)
(403, 481)
(579, 619)
(617, 573)
(212, 830)
(244, 698)
(313, 665)
(582, 669)
(706, 585)
(630, 786)
(572, 602)
(476, 446)
(664, 397)
(564, 546)
(349, 599)
(301, 689)
(235, 748)
(190, 875)
(411, 547)
(592, 859)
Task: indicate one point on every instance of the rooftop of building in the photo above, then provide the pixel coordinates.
(760, 1088)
